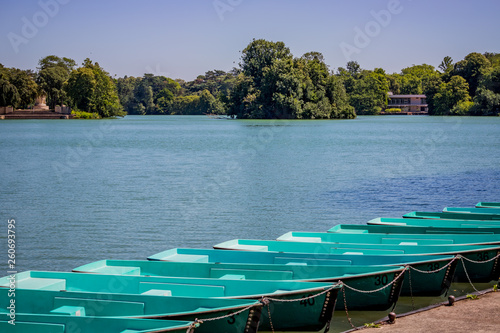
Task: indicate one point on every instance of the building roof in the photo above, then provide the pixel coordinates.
(406, 96)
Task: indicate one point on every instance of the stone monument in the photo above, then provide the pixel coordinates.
(40, 103)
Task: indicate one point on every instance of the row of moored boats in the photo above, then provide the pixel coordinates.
(294, 283)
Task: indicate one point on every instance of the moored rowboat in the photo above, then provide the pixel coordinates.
(397, 239)
(423, 283)
(452, 216)
(481, 261)
(25, 323)
(386, 278)
(481, 226)
(405, 228)
(245, 313)
(488, 205)
(286, 315)
(494, 211)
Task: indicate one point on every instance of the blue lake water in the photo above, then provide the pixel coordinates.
(127, 188)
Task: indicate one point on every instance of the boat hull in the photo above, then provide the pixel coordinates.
(317, 315)
(25, 323)
(240, 315)
(485, 271)
(360, 277)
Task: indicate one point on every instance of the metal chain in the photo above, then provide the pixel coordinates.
(481, 262)
(345, 307)
(270, 320)
(411, 290)
(437, 270)
(200, 321)
(305, 298)
(379, 289)
(467, 274)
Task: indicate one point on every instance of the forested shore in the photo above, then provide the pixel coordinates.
(270, 83)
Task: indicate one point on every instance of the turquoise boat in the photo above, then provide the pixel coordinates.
(488, 205)
(312, 316)
(365, 278)
(481, 226)
(485, 270)
(382, 228)
(452, 216)
(423, 284)
(245, 318)
(494, 211)
(25, 323)
(397, 239)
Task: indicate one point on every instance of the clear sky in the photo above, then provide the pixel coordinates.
(186, 38)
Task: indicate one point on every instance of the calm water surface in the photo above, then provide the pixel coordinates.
(82, 191)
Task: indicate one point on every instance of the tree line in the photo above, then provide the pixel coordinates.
(269, 83)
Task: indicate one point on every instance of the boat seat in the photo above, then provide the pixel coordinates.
(309, 261)
(118, 270)
(78, 311)
(402, 241)
(243, 274)
(32, 327)
(186, 258)
(108, 307)
(157, 292)
(304, 239)
(177, 289)
(232, 277)
(41, 284)
(249, 247)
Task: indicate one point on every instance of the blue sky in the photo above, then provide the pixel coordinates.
(183, 39)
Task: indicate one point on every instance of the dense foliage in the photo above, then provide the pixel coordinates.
(269, 83)
(273, 84)
(91, 89)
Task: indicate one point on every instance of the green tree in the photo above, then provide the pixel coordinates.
(81, 86)
(9, 95)
(208, 104)
(52, 75)
(353, 68)
(26, 86)
(369, 94)
(471, 69)
(487, 99)
(261, 54)
(446, 66)
(494, 58)
(92, 89)
(125, 88)
(450, 94)
(275, 85)
(431, 86)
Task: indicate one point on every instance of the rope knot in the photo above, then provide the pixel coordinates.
(265, 301)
